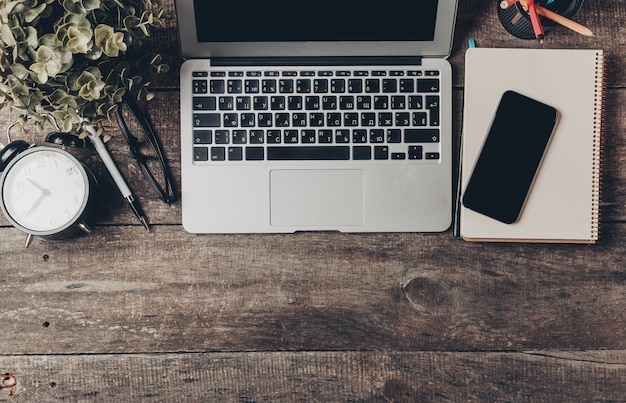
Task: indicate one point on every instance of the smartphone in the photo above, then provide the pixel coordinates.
(510, 157)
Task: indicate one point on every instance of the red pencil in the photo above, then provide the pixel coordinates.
(534, 19)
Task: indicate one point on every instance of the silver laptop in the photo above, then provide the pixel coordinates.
(328, 116)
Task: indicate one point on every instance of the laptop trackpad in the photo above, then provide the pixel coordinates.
(325, 197)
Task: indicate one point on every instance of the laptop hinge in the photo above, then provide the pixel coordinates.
(312, 61)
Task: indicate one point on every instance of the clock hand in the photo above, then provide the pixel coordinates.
(44, 193)
(35, 184)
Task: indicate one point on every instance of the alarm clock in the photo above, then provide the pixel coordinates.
(45, 191)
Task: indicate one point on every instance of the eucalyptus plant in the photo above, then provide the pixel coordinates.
(76, 59)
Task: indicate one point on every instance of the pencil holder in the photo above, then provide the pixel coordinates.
(517, 21)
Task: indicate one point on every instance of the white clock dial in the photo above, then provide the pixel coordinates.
(45, 190)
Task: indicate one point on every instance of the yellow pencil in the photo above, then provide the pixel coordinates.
(566, 22)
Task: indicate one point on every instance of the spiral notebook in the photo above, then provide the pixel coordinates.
(563, 203)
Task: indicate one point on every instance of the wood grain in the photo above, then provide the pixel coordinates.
(129, 315)
(323, 377)
(171, 291)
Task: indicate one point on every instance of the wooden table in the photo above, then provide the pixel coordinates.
(129, 315)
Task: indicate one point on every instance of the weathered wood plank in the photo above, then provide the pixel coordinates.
(123, 289)
(322, 377)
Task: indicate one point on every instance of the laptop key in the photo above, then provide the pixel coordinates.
(257, 136)
(362, 152)
(202, 136)
(217, 86)
(390, 85)
(337, 85)
(359, 136)
(432, 104)
(294, 102)
(415, 152)
(285, 86)
(222, 137)
(199, 86)
(226, 103)
(235, 154)
(325, 136)
(394, 135)
(320, 85)
(312, 103)
(407, 85)
(307, 136)
(291, 136)
(364, 102)
(260, 103)
(381, 102)
(218, 153)
(268, 86)
(204, 103)
(316, 119)
(264, 119)
(427, 85)
(243, 103)
(251, 86)
(329, 102)
(200, 153)
(310, 153)
(421, 135)
(206, 120)
(377, 136)
(355, 85)
(381, 152)
(416, 102)
(372, 85)
(274, 136)
(277, 103)
(231, 119)
(303, 85)
(240, 136)
(235, 86)
(254, 153)
(342, 136)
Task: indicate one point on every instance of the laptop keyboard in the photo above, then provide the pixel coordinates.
(309, 114)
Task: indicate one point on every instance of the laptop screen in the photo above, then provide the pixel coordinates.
(321, 20)
(326, 28)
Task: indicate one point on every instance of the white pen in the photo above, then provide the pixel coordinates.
(117, 177)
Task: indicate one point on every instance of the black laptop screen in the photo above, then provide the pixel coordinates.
(320, 20)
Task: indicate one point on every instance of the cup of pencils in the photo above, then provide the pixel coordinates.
(530, 19)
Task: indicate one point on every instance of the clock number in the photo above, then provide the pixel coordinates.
(41, 163)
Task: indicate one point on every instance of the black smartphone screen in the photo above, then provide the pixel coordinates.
(510, 157)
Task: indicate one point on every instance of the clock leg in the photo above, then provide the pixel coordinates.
(29, 238)
(84, 227)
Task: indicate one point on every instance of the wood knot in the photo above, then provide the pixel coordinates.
(9, 381)
(396, 390)
(426, 294)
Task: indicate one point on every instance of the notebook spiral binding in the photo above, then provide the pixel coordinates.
(598, 144)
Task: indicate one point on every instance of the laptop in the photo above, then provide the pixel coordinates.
(329, 116)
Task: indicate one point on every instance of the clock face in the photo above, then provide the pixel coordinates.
(44, 190)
